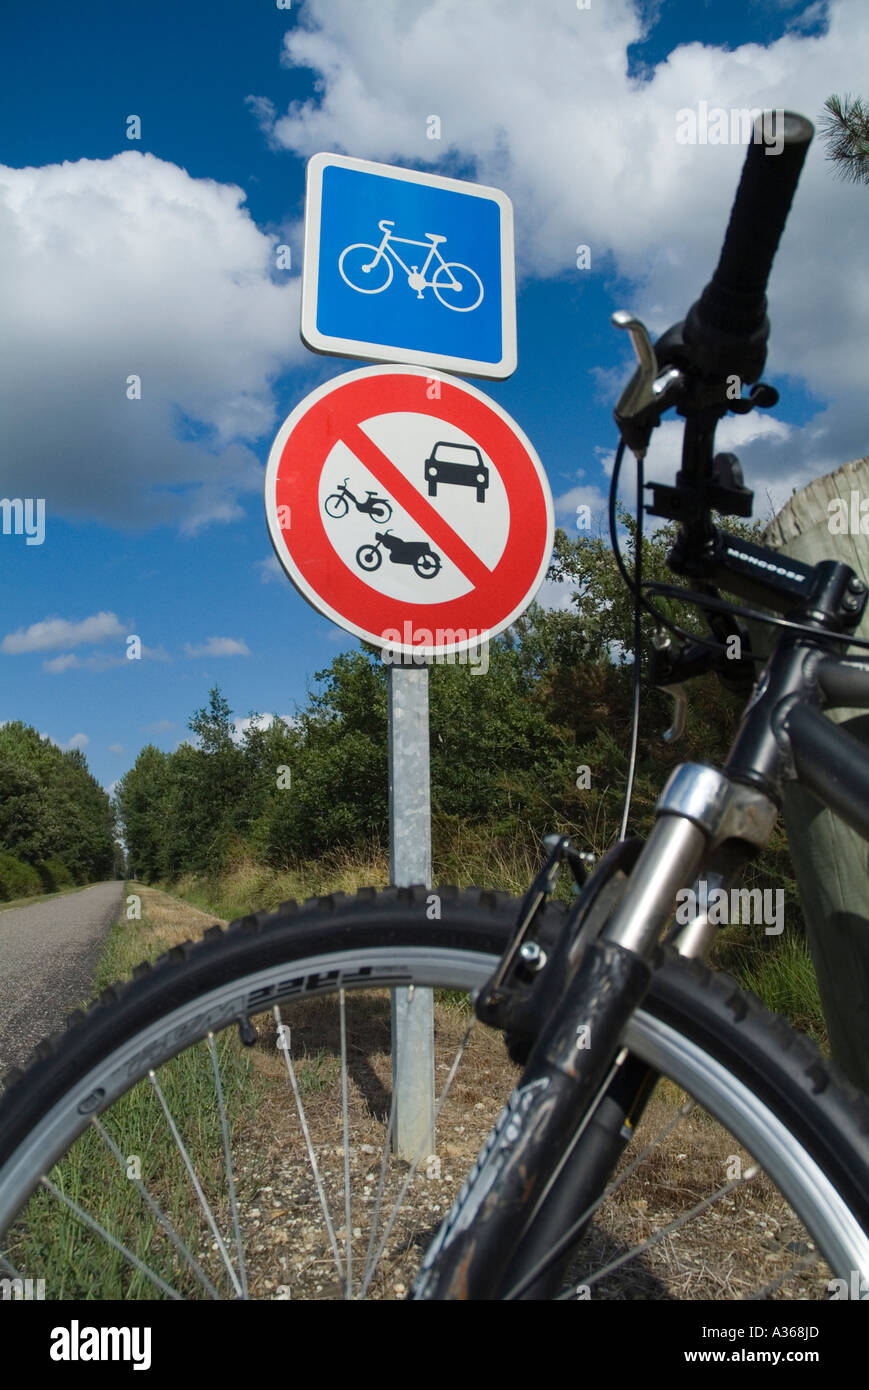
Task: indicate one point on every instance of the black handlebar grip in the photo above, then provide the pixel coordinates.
(727, 329)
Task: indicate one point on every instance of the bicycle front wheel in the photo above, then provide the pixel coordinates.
(336, 505)
(222, 1125)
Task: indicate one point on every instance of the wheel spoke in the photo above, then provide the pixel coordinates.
(370, 1264)
(112, 1240)
(424, 1148)
(227, 1159)
(164, 1221)
(197, 1186)
(805, 1263)
(284, 1045)
(345, 1124)
(659, 1235)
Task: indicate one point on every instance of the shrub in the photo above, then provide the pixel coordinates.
(55, 876)
(17, 880)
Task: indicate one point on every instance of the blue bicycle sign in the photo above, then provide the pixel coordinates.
(404, 266)
(455, 285)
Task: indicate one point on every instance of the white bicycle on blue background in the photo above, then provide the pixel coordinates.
(456, 286)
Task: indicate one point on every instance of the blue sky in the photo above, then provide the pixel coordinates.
(156, 257)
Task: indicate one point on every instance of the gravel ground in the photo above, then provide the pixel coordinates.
(48, 953)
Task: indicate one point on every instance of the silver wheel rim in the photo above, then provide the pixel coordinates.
(802, 1183)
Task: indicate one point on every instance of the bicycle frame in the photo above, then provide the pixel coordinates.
(700, 808)
(387, 245)
(782, 735)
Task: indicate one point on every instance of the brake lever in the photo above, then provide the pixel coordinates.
(680, 711)
(649, 391)
(663, 665)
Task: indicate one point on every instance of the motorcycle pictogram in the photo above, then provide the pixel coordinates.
(337, 504)
(425, 561)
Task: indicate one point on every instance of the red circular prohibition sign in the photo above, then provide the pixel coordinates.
(334, 413)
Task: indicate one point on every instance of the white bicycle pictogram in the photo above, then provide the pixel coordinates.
(451, 281)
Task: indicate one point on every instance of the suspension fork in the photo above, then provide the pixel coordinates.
(571, 1067)
(546, 1252)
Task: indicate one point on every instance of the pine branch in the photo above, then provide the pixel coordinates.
(846, 131)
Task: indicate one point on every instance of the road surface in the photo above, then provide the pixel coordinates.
(48, 953)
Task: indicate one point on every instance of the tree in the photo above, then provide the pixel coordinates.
(141, 800)
(51, 807)
(846, 131)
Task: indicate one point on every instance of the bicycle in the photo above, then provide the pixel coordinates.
(452, 282)
(605, 1005)
(337, 504)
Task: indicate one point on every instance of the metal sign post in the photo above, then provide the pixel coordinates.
(410, 862)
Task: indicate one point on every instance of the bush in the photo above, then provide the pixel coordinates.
(17, 880)
(55, 876)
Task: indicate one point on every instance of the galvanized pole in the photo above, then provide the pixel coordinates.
(410, 863)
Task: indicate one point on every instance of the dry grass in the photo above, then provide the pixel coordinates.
(250, 887)
(739, 1244)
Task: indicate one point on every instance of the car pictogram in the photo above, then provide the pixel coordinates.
(461, 464)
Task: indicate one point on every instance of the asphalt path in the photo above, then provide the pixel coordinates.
(48, 954)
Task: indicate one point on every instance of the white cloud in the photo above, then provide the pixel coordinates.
(556, 595)
(160, 726)
(123, 266)
(77, 741)
(764, 445)
(218, 646)
(257, 721)
(70, 662)
(117, 748)
(59, 632)
(270, 570)
(573, 521)
(58, 664)
(535, 99)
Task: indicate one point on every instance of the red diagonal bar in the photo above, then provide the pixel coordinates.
(393, 481)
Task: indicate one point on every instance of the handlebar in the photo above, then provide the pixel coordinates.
(727, 328)
(691, 367)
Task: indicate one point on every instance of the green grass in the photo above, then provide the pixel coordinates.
(77, 1263)
(127, 943)
(250, 887)
(319, 1072)
(782, 975)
